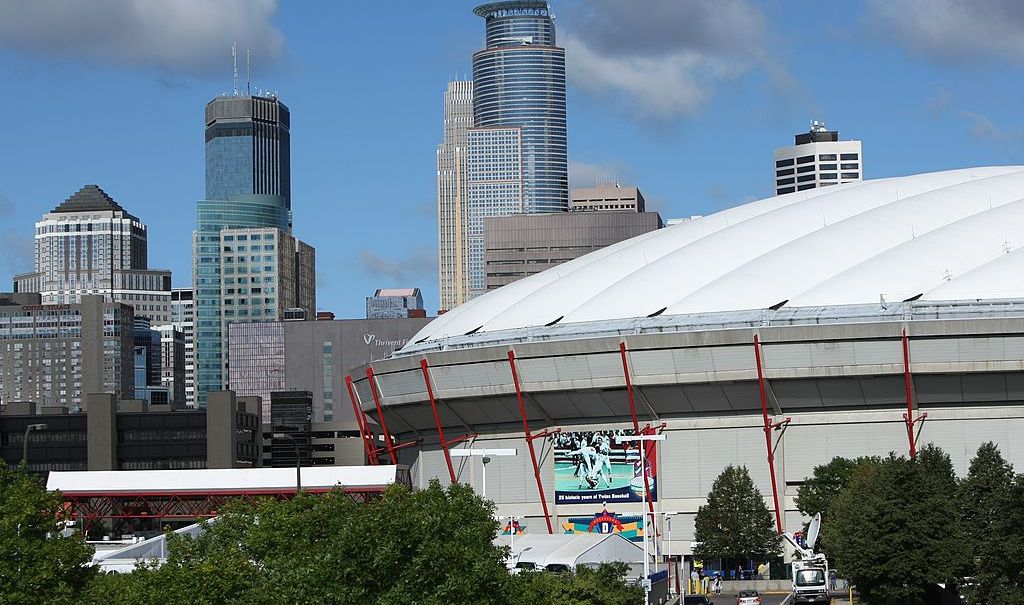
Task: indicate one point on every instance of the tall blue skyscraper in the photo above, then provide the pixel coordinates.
(519, 83)
(515, 152)
(246, 264)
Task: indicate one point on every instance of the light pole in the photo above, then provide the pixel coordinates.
(24, 443)
(298, 458)
(668, 555)
(512, 535)
(642, 443)
(485, 456)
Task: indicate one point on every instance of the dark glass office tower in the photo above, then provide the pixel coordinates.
(519, 82)
(248, 148)
(248, 197)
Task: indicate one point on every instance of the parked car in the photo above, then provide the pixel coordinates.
(748, 597)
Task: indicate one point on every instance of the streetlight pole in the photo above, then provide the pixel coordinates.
(668, 555)
(298, 458)
(512, 534)
(642, 443)
(24, 443)
(485, 455)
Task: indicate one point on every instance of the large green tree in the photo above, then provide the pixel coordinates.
(735, 523)
(991, 503)
(826, 482)
(894, 531)
(431, 546)
(981, 496)
(604, 585)
(37, 564)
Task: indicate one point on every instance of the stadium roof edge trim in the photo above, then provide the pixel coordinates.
(953, 239)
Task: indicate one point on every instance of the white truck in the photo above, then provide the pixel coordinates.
(810, 570)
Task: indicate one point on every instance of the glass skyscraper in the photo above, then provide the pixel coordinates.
(515, 157)
(519, 82)
(248, 148)
(248, 186)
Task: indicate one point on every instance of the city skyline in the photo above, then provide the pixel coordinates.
(947, 107)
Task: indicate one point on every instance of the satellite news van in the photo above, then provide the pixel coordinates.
(810, 570)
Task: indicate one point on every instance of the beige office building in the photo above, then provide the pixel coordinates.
(519, 245)
(451, 194)
(606, 197)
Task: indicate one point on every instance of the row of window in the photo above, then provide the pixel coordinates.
(823, 157)
(825, 176)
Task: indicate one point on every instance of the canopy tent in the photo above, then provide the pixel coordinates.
(559, 552)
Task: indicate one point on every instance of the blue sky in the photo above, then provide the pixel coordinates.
(685, 99)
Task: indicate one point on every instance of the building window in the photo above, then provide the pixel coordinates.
(850, 166)
(805, 159)
(804, 187)
(788, 181)
(786, 162)
(828, 176)
(785, 190)
(785, 172)
(851, 175)
(827, 157)
(805, 178)
(805, 168)
(848, 156)
(827, 166)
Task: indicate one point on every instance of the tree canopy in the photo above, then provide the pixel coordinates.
(894, 531)
(735, 523)
(432, 547)
(991, 502)
(823, 486)
(37, 564)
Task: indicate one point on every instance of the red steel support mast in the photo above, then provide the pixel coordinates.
(360, 422)
(908, 417)
(380, 416)
(636, 424)
(767, 432)
(437, 419)
(529, 439)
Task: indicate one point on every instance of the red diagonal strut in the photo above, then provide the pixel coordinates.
(437, 418)
(529, 439)
(636, 424)
(908, 383)
(380, 416)
(767, 432)
(367, 443)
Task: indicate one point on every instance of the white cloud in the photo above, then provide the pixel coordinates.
(985, 129)
(663, 59)
(183, 37)
(953, 31)
(420, 264)
(584, 174)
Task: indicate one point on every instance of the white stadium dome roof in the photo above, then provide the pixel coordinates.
(953, 235)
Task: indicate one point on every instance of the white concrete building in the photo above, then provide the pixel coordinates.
(817, 159)
(90, 245)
